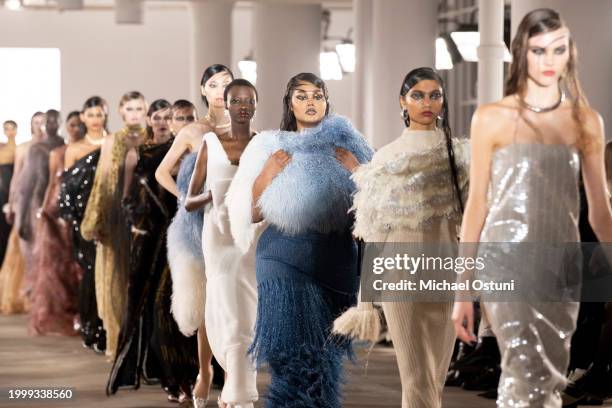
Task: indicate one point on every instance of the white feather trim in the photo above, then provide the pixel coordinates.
(408, 191)
(188, 290)
(239, 198)
(361, 322)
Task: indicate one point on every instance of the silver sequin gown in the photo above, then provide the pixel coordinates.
(533, 198)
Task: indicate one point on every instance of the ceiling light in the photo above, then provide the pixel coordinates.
(346, 54)
(248, 69)
(12, 4)
(443, 56)
(329, 65)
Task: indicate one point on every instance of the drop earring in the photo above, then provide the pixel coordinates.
(439, 121)
(406, 118)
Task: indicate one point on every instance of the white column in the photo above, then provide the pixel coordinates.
(212, 40)
(287, 41)
(491, 51)
(363, 86)
(397, 36)
(589, 24)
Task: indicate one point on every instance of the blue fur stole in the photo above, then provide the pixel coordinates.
(186, 227)
(314, 192)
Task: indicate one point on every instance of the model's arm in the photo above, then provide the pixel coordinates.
(594, 176)
(179, 147)
(131, 160)
(475, 213)
(274, 165)
(196, 197)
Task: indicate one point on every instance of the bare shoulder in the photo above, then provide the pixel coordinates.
(493, 122)
(58, 152)
(75, 146)
(22, 148)
(497, 113)
(192, 133)
(593, 131)
(592, 119)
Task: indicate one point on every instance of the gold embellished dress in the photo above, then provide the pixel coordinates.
(12, 298)
(99, 223)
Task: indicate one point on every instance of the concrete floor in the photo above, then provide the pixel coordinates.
(62, 362)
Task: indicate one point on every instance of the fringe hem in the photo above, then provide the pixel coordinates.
(293, 337)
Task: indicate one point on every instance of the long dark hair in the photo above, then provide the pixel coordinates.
(157, 104)
(537, 22)
(210, 72)
(289, 122)
(92, 102)
(423, 74)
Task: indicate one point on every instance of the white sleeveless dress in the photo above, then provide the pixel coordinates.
(231, 287)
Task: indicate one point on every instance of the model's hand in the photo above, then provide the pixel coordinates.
(274, 165)
(220, 217)
(347, 159)
(463, 319)
(193, 203)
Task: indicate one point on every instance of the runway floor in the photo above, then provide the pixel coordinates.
(62, 362)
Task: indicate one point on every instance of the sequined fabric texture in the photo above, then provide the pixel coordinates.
(533, 199)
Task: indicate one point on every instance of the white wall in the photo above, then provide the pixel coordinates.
(101, 57)
(29, 82)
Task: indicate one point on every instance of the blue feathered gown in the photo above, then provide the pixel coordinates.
(185, 257)
(306, 259)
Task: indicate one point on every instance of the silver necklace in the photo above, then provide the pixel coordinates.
(538, 109)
